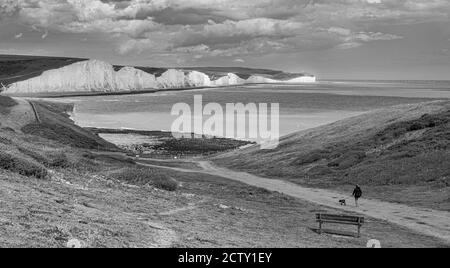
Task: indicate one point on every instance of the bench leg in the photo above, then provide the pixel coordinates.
(359, 231)
(320, 227)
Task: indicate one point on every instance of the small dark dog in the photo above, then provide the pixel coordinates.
(343, 202)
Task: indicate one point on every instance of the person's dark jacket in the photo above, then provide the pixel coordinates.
(357, 193)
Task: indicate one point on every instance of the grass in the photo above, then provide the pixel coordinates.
(57, 126)
(22, 165)
(413, 152)
(404, 146)
(53, 159)
(78, 201)
(146, 176)
(197, 146)
(6, 103)
(106, 213)
(164, 144)
(170, 163)
(260, 218)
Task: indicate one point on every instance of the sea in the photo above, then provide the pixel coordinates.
(301, 106)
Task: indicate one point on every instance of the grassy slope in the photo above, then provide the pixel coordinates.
(399, 154)
(94, 198)
(6, 103)
(86, 197)
(56, 125)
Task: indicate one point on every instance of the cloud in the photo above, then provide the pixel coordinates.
(350, 39)
(340, 31)
(8, 8)
(226, 28)
(138, 46)
(45, 34)
(18, 36)
(348, 45)
(132, 28)
(239, 60)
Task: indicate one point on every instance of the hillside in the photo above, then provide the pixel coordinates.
(399, 154)
(56, 192)
(96, 76)
(18, 68)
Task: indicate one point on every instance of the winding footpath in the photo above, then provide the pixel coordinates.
(425, 221)
(36, 114)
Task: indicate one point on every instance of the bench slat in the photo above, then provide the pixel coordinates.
(339, 218)
(340, 222)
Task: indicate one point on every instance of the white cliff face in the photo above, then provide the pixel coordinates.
(198, 79)
(81, 76)
(302, 79)
(229, 80)
(172, 79)
(98, 76)
(254, 79)
(129, 78)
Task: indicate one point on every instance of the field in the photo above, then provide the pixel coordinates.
(55, 190)
(399, 155)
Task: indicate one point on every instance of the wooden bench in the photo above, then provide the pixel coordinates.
(339, 219)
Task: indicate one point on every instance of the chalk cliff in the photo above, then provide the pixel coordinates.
(98, 76)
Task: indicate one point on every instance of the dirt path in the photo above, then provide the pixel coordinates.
(426, 221)
(36, 114)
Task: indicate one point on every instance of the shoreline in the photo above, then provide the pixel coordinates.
(58, 95)
(62, 95)
(163, 144)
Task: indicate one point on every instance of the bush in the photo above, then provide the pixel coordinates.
(164, 182)
(6, 103)
(59, 160)
(312, 157)
(320, 171)
(56, 159)
(348, 160)
(21, 166)
(142, 176)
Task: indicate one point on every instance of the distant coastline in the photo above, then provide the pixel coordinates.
(59, 95)
(89, 77)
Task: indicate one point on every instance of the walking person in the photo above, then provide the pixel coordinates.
(357, 193)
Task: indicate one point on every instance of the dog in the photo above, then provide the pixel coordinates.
(343, 202)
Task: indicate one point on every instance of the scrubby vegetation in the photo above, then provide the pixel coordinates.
(402, 153)
(146, 176)
(196, 146)
(51, 159)
(22, 165)
(6, 103)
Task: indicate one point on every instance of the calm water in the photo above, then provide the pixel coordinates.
(301, 106)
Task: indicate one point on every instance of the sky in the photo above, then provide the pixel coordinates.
(333, 39)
